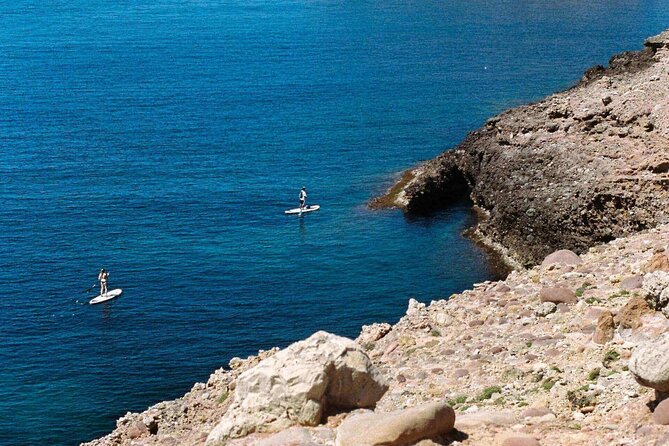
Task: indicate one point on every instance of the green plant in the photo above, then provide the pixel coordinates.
(555, 369)
(489, 392)
(580, 290)
(594, 374)
(548, 384)
(610, 357)
(592, 300)
(460, 399)
(223, 397)
(434, 332)
(528, 344)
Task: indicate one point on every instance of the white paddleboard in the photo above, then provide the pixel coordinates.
(312, 208)
(109, 295)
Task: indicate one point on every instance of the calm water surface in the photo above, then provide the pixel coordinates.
(162, 140)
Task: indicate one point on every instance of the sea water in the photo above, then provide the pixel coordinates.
(163, 140)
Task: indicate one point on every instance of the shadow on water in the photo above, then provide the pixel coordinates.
(498, 267)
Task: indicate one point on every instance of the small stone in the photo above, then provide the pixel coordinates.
(631, 283)
(460, 373)
(502, 288)
(545, 309)
(137, 430)
(516, 439)
(605, 328)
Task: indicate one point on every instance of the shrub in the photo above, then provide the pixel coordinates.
(223, 397)
(594, 374)
(489, 392)
(548, 384)
(610, 357)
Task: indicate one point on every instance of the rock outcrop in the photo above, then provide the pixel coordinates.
(578, 168)
(298, 385)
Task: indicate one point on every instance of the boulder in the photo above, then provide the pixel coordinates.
(605, 328)
(661, 413)
(297, 385)
(399, 428)
(561, 257)
(557, 295)
(629, 316)
(650, 363)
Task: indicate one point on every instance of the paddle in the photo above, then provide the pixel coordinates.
(91, 288)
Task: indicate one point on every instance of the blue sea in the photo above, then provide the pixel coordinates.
(163, 140)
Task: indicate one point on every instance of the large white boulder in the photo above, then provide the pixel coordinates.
(297, 385)
(650, 363)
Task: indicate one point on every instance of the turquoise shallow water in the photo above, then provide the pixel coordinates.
(163, 140)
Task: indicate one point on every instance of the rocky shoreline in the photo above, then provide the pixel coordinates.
(552, 355)
(578, 168)
(573, 350)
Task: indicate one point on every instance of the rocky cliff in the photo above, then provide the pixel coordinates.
(578, 168)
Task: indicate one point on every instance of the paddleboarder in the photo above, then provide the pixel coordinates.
(103, 275)
(303, 197)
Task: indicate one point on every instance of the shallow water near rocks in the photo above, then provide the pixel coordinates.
(163, 141)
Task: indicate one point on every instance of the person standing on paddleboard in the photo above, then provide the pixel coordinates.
(102, 277)
(303, 197)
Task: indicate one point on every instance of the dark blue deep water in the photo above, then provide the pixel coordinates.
(163, 139)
